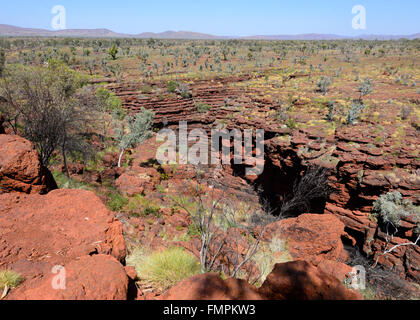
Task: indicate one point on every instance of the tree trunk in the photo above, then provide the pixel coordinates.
(63, 152)
(120, 158)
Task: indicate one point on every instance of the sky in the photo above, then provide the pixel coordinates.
(219, 17)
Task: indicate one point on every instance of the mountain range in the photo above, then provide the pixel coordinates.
(8, 30)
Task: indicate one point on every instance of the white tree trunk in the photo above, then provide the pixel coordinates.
(120, 158)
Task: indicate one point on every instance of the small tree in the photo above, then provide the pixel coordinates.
(323, 84)
(113, 51)
(109, 103)
(55, 112)
(230, 231)
(138, 130)
(331, 109)
(354, 111)
(365, 88)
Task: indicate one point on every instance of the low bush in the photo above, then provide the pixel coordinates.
(163, 269)
(9, 279)
(390, 208)
(172, 86)
(202, 107)
(323, 84)
(116, 202)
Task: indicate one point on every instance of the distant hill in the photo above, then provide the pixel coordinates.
(315, 36)
(178, 35)
(8, 30)
(308, 36)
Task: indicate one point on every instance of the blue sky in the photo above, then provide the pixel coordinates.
(219, 17)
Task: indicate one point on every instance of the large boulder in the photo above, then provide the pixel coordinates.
(38, 232)
(300, 280)
(137, 180)
(210, 286)
(20, 168)
(311, 237)
(97, 277)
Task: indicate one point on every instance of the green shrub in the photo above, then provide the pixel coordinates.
(116, 202)
(291, 123)
(323, 84)
(163, 269)
(202, 107)
(365, 88)
(139, 206)
(65, 183)
(9, 279)
(172, 86)
(150, 209)
(354, 112)
(331, 110)
(113, 51)
(391, 208)
(194, 230)
(146, 89)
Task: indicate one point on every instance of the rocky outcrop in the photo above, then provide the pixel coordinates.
(97, 277)
(365, 160)
(300, 280)
(137, 180)
(210, 286)
(311, 237)
(70, 228)
(20, 168)
(363, 165)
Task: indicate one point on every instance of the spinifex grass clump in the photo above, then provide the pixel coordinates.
(202, 107)
(163, 269)
(9, 279)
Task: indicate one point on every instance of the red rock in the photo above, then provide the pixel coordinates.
(137, 180)
(210, 286)
(20, 168)
(356, 221)
(131, 272)
(337, 269)
(311, 237)
(97, 277)
(110, 159)
(40, 231)
(300, 280)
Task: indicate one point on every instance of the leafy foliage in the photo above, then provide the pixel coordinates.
(202, 107)
(113, 51)
(354, 111)
(365, 87)
(116, 202)
(323, 84)
(56, 113)
(391, 208)
(134, 130)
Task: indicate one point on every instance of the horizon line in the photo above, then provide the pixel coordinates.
(213, 35)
